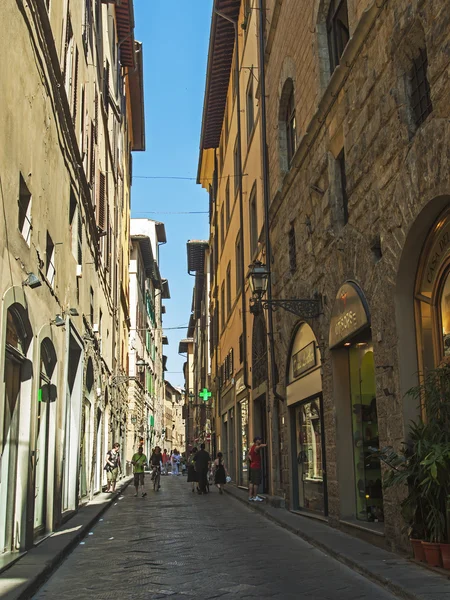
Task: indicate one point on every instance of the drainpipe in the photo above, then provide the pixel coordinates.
(266, 200)
(241, 199)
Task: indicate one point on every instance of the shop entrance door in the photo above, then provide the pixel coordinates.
(224, 440)
(260, 428)
(310, 453)
(8, 455)
(231, 442)
(42, 440)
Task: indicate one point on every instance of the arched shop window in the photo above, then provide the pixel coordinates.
(432, 297)
(355, 395)
(17, 373)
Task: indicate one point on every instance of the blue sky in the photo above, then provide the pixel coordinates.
(175, 37)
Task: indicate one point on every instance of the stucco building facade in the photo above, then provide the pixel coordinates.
(70, 118)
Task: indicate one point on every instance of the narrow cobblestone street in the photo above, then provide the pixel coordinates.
(177, 544)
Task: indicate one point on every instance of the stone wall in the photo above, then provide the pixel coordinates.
(393, 170)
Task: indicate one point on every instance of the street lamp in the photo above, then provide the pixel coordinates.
(258, 277)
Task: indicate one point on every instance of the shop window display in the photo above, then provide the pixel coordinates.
(445, 315)
(369, 495)
(310, 455)
(243, 464)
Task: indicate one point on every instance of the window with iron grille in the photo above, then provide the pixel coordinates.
(343, 177)
(236, 166)
(250, 106)
(337, 31)
(238, 263)
(292, 249)
(227, 200)
(222, 305)
(253, 223)
(229, 289)
(420, 88)
(290, 124)
(222, 228)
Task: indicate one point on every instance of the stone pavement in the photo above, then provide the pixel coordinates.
(181, 545)
(405, 577)
(24, 577)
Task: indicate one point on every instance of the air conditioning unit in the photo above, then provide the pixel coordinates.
(95, 327)
(79, 270)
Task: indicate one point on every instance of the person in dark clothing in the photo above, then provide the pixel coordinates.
(220, 472)
(156, 461)
(192, 474)
(202, 463)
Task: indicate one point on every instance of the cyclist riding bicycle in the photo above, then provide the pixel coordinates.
(156, 465)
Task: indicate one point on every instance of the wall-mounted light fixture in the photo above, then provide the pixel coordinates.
(258, 277)
(32, 281)
(58, 321)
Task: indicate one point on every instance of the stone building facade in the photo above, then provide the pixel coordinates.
(358, 203)
(357, 101)
(70, 118)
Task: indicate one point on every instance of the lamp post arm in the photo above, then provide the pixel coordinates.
(303, 308)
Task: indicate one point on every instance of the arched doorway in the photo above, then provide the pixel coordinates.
(259, 389)
(47, 394)
(432, 297)
(354, 390)
(304, 399)
(17, 372)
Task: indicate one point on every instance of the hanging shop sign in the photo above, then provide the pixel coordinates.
(350, 314)
(304, 360)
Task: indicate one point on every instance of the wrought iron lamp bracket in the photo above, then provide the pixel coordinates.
(304, 308)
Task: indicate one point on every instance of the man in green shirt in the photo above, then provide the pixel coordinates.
(139, 461)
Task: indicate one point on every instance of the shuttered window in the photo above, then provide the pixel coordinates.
(101, 208)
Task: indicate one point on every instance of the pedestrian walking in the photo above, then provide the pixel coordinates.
(175, 462)
(156, 463)
(139, 461)
(202, 463)
(254, 479)
(165, 460)
(192, 473)
(112, 467)
(220, 472)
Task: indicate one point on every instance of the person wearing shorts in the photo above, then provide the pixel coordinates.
(139, 461)
(255, 476)
(112, 467)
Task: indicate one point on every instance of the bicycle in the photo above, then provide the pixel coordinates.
(156, 476)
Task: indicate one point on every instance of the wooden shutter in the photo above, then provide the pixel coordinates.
(80, 239)
(101, 208)
(68, 36)
(106, 85)
(75, 87)
(92, 157)
(96, 116)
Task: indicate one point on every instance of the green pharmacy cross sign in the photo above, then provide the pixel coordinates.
(205, 395)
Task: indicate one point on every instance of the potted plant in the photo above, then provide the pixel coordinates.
(423, 466)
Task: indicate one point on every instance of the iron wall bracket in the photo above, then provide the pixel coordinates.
(304, 308)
